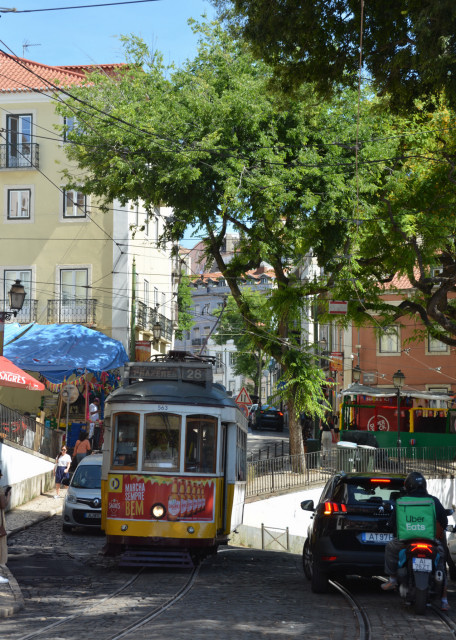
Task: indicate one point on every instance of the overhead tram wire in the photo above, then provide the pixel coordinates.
(82, 6)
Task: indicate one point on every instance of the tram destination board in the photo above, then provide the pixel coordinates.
(188, 372)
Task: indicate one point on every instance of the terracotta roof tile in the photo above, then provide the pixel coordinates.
(21, 75)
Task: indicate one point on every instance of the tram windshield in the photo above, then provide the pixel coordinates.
(201, 444)
(162, 441)
(126, 429)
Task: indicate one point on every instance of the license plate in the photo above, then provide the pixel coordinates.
(88, 514)
(422, 564)
(376, 538)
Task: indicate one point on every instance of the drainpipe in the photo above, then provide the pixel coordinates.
(133, 314)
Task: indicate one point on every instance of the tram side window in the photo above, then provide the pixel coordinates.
(241, 454)
(201, 444)
(126, 440)
(162, 441)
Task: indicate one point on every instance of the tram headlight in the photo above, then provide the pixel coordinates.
(124, 527)
(158, 511)
(190, 530)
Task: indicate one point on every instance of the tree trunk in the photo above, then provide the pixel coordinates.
(294, 425)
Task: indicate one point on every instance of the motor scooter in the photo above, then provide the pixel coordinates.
(420, 575)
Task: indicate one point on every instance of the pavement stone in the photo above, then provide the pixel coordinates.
(18, 519)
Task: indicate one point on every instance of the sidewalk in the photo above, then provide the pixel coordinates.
(11, 600)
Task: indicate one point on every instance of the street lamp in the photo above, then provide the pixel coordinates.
(398, 381)
(356, 373)
(156, 331)
(16, 297)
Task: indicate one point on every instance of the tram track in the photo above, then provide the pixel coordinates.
(153, 613)
(362, 616)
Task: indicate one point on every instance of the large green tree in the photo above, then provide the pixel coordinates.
(408, 47)
(299, 179)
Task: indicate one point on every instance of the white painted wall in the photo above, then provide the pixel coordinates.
(16, 465)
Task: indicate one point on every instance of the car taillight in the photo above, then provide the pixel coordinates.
(333, 507)
(384, 480)
(279, 413)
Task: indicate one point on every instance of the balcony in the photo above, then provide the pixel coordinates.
(20, 156)
(26, 314)
(77, 311)
(146, 317)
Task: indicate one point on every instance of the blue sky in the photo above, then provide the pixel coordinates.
(87, 36)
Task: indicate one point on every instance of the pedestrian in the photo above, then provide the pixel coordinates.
(5, 495)
(94, 416)
(81, 449)
(61, 469)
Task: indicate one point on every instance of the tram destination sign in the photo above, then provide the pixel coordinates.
(189, 372)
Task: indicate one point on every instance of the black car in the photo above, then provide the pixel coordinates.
(350, 526)
(268, 417)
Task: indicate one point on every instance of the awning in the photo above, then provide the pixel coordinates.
(357, 389)
(60, 350)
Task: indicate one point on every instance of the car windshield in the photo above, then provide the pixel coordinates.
(370, 490)
(87, 477)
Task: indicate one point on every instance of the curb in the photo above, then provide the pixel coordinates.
(13, 601)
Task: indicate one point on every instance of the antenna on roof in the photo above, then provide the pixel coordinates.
(27, 45)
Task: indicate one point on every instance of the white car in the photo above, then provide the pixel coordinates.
(82, 506)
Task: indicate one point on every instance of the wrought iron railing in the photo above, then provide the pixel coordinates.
(28, 313)
(29, 433)
(302, 471)
(24, 155)
(146, 317)
(77, 311)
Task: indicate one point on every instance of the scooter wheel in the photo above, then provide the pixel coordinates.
(421, 598)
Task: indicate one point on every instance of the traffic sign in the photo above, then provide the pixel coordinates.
(243, 397)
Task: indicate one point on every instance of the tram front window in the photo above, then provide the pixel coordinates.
(162, 441)
(126, 440)
(201, 444)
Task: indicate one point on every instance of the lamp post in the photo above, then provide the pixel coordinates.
(356, 374)
(156, 331)
(16, 297)
(398, 381)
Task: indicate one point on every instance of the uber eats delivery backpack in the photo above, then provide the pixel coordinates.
(415, 518)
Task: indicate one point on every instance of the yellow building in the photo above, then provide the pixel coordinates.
(76, 263)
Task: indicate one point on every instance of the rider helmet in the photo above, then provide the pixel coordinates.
(415, 480)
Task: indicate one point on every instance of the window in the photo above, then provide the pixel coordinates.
(70, 124)
(126, 429)
(196, 310)
(155, 297)
(162, 441)
(233, 355)
(241, 454)
(19, 137)
(74, 204)
(146, 293)
(19, 201)
(219, 360)
(206, 331)
(25, 276)
(201, 444)
(389, 340)
(196, 332)
(436, 346)
(74, 306)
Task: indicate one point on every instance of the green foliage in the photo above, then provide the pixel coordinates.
(184, 304)
(409, 47)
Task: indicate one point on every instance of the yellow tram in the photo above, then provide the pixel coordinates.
(174, 462)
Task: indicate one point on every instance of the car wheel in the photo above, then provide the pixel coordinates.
(67, 528)
(319, 582)
(307, 560)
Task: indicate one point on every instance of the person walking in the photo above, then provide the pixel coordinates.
(61, 469)
(327, 433)
(5, 496)
(81, 449)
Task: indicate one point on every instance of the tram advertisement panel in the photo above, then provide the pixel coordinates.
(132, 496)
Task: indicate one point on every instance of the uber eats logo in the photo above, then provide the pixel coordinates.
(414, 523)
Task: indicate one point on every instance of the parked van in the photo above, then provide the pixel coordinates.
(82, 506)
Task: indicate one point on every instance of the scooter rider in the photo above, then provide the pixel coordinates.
(415, 486)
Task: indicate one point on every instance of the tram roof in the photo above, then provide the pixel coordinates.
(358, 389)
(175, 392)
